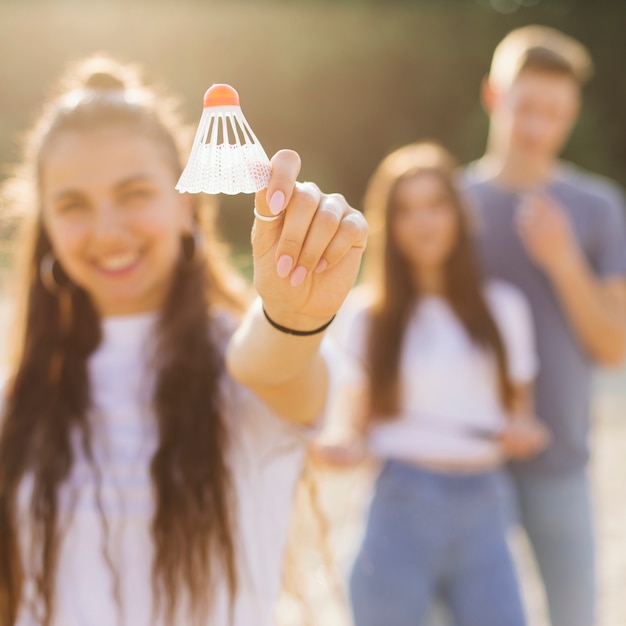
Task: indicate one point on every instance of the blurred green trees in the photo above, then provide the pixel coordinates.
(341, 82)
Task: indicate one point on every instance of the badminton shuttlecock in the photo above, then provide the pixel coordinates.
(226, 156)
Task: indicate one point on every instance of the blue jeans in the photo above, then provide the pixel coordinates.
(436, 535)
(556, 514)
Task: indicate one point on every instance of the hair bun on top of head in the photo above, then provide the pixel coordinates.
(101, 76)
(104, 81)
(102, 73)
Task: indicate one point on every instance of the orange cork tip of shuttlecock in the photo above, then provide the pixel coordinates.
(221, 95)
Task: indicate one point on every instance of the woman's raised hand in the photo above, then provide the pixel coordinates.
(306, 261)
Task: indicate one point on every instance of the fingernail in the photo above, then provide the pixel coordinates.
(298, 276)
(277, 202)
(321, 266)
(283, 267)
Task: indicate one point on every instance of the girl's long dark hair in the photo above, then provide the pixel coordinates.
(395, 290)
(48, 398)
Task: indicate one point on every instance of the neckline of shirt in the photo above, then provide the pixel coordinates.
(133, 328)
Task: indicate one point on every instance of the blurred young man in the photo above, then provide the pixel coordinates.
(558, 233)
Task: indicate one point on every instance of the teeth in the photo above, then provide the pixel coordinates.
(117, 262)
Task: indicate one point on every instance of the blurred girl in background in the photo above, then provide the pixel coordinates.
(448, 361)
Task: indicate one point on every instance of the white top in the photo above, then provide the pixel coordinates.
(265, 459)
(449, 395)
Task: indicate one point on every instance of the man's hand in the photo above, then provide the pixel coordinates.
(546, 232)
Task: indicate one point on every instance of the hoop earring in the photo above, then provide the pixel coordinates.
(46, 273)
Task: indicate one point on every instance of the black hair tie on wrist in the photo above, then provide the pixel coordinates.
(297, 333)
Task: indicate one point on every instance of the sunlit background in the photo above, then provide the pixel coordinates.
(343, 83)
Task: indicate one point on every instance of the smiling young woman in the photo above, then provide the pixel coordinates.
(111, 211)
(151, 439)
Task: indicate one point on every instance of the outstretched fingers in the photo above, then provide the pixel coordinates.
(318, 231)
(307, 255)
(351, 233)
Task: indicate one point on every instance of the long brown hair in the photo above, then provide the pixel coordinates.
(48, 398)
(395, 290)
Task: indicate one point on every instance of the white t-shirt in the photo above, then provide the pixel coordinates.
(449, 394)
(265, 457)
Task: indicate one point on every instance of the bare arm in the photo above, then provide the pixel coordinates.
(288, 373)
(343, 442)
(304, 266)
(523, 436)
(595, 307)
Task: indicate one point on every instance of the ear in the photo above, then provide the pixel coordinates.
(488, 95)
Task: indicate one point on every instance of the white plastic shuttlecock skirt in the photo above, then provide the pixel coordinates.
(226, 156)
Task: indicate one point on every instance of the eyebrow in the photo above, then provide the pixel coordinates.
(137, 178)
(76, 193)
(67, 194)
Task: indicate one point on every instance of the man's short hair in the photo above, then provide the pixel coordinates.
(542, 49)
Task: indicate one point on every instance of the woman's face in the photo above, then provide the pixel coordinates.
(424, 226)
(113, 217)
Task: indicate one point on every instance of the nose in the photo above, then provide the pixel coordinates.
(536, 127)
(108, 223)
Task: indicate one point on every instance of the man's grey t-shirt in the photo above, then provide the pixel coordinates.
(595, 207)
